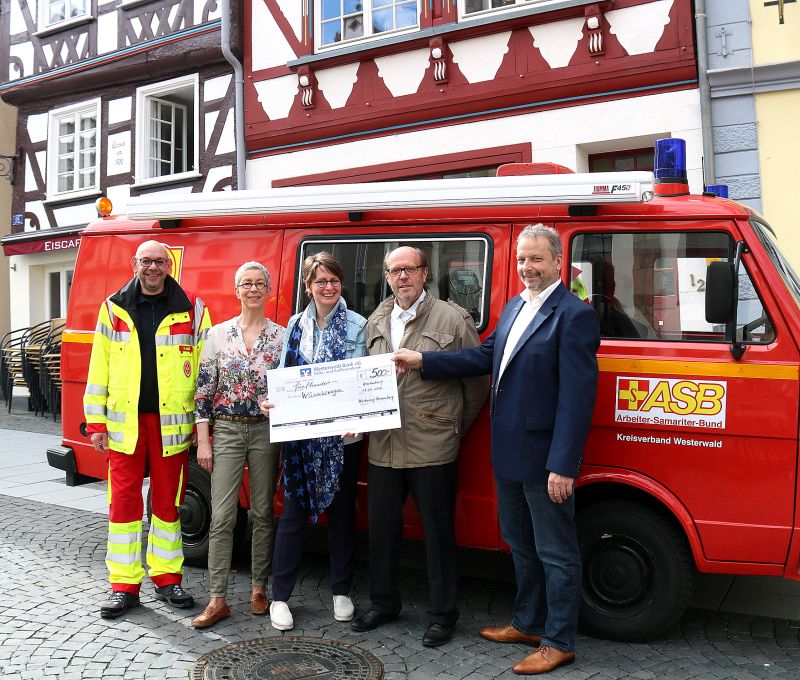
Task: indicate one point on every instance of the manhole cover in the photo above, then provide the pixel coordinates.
(288, 658)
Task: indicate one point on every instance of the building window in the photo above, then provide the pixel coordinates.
(73, 153)
(58, 11)
(166, 131)
(470, 7)
(59, 283)
(620, 161)
(345, 20)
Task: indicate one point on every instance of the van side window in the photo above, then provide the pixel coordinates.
(457, 271)
(651, 286)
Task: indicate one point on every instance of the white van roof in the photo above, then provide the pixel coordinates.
(572, 189)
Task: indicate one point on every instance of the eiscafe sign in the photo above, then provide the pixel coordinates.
(42, 245)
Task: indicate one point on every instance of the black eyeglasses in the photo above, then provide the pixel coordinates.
(258, 285)
(323, 283)
(159, 262)
(394, 272)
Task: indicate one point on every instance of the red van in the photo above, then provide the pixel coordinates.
(692, 458)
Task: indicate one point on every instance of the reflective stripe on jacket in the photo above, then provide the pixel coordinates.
(111, 399)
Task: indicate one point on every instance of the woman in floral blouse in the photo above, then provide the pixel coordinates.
(231, 383)
(319, 475)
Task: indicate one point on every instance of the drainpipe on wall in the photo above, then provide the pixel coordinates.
(701, 20)
(238, 84)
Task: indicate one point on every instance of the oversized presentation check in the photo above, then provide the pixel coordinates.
(322, 400)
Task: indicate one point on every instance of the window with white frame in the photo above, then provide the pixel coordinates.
(345, 20)
(72, 151)
(58, 11)
(59, 284)
(166, 129)
(470, 7)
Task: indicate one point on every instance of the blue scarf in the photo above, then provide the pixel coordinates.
(312, 467)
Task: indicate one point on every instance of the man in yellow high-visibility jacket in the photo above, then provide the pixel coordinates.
(139, 408)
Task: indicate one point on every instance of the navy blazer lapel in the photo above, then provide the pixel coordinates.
(539, 318)
(503, 329)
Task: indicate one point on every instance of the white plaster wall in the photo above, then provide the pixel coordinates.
(270, 47)
(557, 41)
(562, 136)
(336, 83)
(402, 73)
(293, 12)
(107, 32)
(24, 52)
(639, 28)
(28, 283)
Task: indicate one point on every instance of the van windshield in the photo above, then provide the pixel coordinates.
(770, 243)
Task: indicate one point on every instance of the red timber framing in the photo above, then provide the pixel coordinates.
(418, 167)
(524, 81)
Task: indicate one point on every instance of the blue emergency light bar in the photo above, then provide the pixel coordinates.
(670, 161)
(720, 190)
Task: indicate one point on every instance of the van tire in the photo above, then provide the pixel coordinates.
(638, 571)
(195, 515)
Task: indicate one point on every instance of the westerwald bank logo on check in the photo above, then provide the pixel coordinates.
(306, 372)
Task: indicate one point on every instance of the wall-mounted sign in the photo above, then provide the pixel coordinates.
(18, 220)
(119, 153)
(42, 245)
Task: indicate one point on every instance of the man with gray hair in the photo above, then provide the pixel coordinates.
(420, 457)
(542, 358)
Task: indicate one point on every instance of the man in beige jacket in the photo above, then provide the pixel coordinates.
(420, 456)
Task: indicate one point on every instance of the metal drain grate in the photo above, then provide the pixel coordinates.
(288, 658)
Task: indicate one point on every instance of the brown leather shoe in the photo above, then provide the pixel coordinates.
(509, 634)
(259, 604)
(543, 660)
(211, 616)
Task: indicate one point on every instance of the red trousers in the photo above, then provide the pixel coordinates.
(126, 473)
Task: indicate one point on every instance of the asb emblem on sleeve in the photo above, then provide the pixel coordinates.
(187, 368)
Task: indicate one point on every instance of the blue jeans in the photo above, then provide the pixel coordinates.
(547, 561)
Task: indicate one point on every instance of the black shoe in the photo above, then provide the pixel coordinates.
(371, 620)
(437, 634)
(176, 596)
(117, 604)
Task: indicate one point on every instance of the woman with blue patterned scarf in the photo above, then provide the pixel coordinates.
(319, 475)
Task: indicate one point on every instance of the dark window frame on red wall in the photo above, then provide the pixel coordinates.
(431, 167)
(598, 162)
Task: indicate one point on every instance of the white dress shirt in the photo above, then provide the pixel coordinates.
(400, 317)
(532, 305)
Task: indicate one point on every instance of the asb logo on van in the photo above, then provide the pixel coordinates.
(671, 401)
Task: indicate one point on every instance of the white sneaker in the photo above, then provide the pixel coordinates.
(342, 608)
(280, 616)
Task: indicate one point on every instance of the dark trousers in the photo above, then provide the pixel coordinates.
(341, 514)
(547, 561)
(434, 491)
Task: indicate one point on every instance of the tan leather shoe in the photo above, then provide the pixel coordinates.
(258, 603)
(210, 616)
(509, 634)
(543, 660)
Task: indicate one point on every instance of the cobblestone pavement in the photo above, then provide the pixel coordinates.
(55, 581)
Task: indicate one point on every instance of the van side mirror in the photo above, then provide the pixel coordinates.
(720, 292)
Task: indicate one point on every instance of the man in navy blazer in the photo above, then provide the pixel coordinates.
(543, 360)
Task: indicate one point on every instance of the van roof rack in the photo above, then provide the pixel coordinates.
(572, 189)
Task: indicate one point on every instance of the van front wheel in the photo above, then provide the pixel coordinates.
(637, 571)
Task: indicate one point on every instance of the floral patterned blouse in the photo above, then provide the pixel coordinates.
(231, 380)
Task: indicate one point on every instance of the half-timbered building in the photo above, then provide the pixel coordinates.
(114, 98)
(360, 90)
